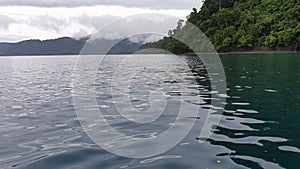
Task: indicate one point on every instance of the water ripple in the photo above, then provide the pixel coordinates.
(151, 160)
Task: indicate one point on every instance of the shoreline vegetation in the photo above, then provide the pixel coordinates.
(259, 50)
(238, 26)
(252, 52)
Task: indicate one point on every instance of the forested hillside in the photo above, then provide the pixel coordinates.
(242, 25)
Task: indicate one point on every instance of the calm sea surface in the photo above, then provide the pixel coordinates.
(39, 128)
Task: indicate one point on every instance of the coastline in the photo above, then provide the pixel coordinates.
(261, 49)
(246, 52)
(258, 52)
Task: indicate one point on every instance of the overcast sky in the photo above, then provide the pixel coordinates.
(47, 19)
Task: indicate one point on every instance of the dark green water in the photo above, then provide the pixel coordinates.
(271, 84)
(259, 128)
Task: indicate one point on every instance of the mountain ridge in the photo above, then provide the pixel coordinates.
(62, 46)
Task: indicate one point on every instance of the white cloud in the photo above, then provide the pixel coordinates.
(5, 21)
(145, 38)
(33, 22)
(11, 38)
(150, 4)
(141, 24)
(48, 23)
(95, 22)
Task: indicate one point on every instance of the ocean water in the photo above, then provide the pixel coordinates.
(259, 127)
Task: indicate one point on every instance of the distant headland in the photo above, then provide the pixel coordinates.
(62, 46)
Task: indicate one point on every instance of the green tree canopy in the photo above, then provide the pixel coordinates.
(241, 25)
